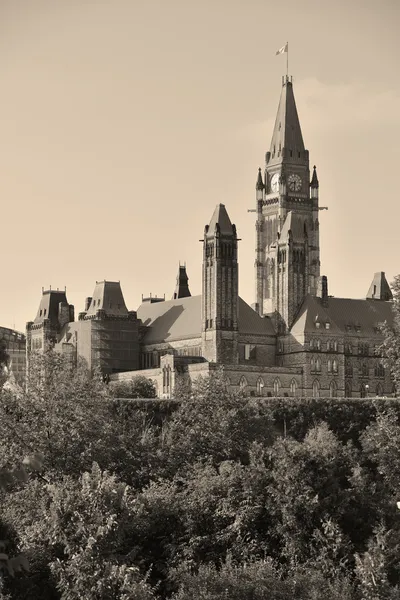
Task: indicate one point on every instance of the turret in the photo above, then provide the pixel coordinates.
(314, 185)
(182, 286)
(220, 289)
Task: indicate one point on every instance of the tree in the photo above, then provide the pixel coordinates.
(391, 344)
(137, 387)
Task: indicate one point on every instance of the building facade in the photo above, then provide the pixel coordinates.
(295, 340)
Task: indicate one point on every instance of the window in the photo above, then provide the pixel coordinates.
(379, 370)
(333, 389)
(329, 366)
(335, 366)
(249, 351)
(347, 389)
(316, 388)
(293, 387)
(327, 325)
(349, 370)
(315, 365)
(364, 370)
(277, 387)
(315, 344)
(379, 390)
(363, 391)
(260, 386)
(348, 348)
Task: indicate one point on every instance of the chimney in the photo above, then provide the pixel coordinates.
(322, 289)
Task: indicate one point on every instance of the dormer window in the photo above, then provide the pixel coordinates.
(317, 324)
(327, 325)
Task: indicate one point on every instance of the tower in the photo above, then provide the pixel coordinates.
(182, 286)
(287, 264)
(220, 290)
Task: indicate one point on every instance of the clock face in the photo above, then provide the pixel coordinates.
(294, 182)
(275, 183)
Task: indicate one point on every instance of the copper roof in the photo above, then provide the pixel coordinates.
(345, 315)
(287, 130)
(221, 217)
(181, 319)
(107, 296)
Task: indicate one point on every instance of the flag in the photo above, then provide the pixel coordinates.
(282, 50)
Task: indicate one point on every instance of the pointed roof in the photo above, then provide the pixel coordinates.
(295, 224)
(314, 179)
(221, 217)
(287, 131)
(107, 296)
(379, 288)
(49, 305)
(260, 183)
(182, 286)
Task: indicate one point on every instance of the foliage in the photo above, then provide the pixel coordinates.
(215, 496)
(137, 387)
(391, 344)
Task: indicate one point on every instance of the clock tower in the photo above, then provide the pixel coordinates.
(287, 263)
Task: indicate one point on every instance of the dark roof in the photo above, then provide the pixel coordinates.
(182, 286)
(49, 303)
(107, 296)
(379, 288)
(221, 217)
(287, 130)
(181, 319)
(345, 315)
(295, 224)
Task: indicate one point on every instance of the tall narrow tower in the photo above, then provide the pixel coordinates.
(287, 261)
(220, 290)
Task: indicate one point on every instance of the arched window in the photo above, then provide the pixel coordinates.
(316, 388)
(293, 387)
(335, 366)
(260, 386)
(363, 391)
(329, 365)
(318, 365)
(312, 364)
(364, 370)
(379, 390)
(277, 387)
(333, 389)
(243, 383)
(347, 389)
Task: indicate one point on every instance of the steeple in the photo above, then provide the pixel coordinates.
(260, 183)
(314, 179)
(287, 140)
(182, 286)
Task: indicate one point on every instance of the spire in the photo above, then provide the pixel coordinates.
(259, 184)
(182, 287)
(287, 140)
(379, 288)
(314, 179)
(221, 220)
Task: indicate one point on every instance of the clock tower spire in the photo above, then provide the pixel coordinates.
(287, 249)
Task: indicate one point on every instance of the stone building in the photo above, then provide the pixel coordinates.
(295, 340)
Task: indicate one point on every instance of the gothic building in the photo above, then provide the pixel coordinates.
(294, 340)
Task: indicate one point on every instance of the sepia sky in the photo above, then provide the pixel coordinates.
(124, 122)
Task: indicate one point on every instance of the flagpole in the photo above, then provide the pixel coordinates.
(287, 62)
